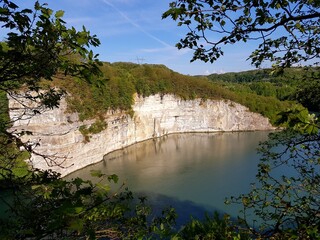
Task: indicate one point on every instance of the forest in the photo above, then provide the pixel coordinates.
(299, 84)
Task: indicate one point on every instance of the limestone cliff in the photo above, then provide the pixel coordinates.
(61, 142)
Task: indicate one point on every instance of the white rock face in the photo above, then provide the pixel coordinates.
(59, 138)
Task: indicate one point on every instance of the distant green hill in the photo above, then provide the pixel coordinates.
(300, 84)
(288, 76)
(260, 82)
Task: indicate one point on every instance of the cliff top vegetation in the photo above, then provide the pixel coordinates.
(121, 80)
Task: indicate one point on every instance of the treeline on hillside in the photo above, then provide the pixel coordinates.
(300, 84)
(121, 80)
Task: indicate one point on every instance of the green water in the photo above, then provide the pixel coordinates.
(193, 172)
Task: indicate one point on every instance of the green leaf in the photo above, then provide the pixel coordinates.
(78, 210)
(59, 14)
(76, 225)
(104, 187)
(78, 182)
(12, 5)
(113, 178)
(34, 187)
(96, 173)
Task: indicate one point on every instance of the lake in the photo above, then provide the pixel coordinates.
(193, 172)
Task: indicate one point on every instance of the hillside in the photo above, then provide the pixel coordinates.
(121, 80)
(289, 75)
(299, 84)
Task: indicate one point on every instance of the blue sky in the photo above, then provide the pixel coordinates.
(133, 31)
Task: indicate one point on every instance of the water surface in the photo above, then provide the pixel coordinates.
(194, 172)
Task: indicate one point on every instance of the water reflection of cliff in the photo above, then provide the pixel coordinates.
(179, 153)
(174, 152)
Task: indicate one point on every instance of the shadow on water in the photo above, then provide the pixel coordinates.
(185, 209)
